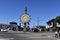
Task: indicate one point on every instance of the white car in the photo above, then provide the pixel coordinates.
(3, 30)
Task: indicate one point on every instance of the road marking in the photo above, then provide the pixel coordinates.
(39, 37)
(49, 36)
(7, 39)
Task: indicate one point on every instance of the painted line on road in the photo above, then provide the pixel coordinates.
(39, 37)
(6, 38)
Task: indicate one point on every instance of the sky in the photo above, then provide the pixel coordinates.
(11, 10)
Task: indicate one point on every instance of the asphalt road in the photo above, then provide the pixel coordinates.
(10, 36)
(16, 35)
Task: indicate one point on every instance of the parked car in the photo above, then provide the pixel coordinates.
(27, 29)
(14, 29)
(20, 29)
(3, 30)
(35, 30)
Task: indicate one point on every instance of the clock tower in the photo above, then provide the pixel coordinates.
(25, 18)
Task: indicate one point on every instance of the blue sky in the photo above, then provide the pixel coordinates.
(11, 10)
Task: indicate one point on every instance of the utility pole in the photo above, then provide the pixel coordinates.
(37, 21)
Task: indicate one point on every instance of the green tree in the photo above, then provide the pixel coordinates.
(58, 19)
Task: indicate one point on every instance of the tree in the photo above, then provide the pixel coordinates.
(58, 19)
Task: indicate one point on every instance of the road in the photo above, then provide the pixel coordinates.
(16, 35)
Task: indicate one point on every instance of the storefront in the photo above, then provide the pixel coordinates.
(52, 25)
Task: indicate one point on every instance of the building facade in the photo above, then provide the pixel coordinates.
(53, 25)
(13, 26)
(4, 26)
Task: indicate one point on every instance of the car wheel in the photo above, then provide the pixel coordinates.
(56, 35)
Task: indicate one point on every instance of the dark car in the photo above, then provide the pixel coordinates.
(27, 29)
(20, 29)
(14, 29)
(35, 29)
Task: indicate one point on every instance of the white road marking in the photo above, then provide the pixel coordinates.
(7, 39)
(39, 37)
(49, 36)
